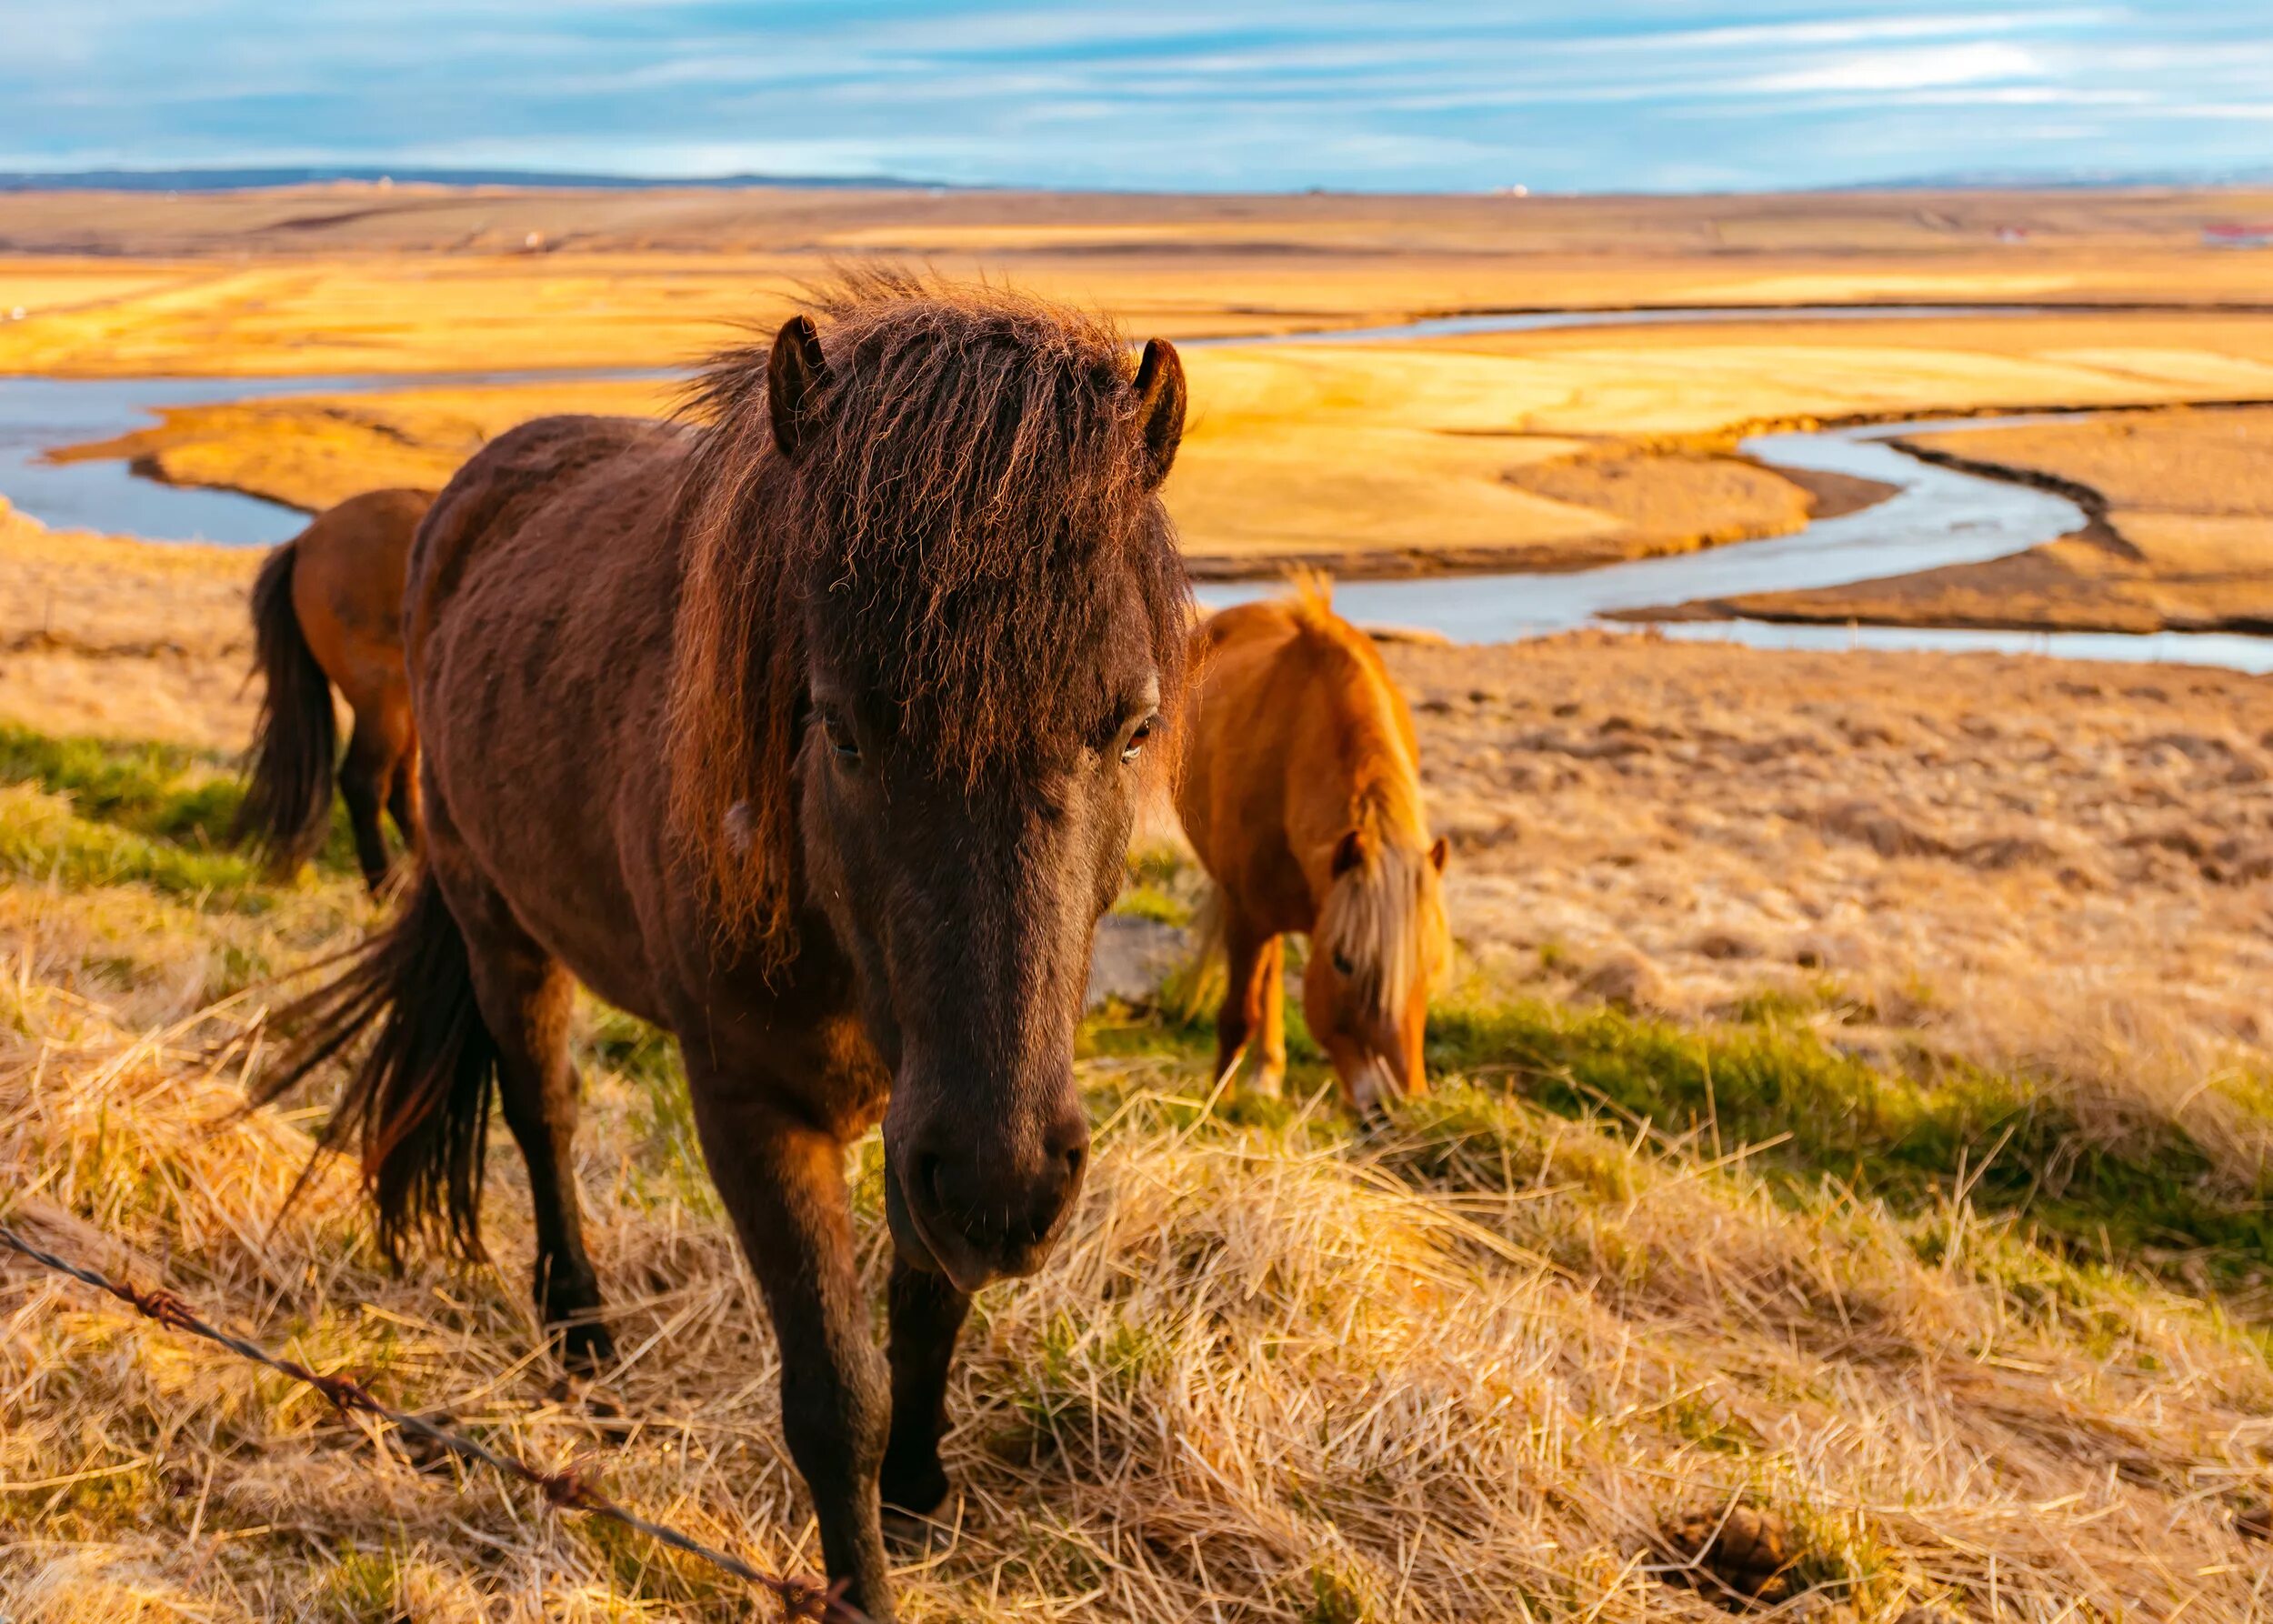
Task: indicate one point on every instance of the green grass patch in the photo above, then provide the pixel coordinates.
(669, 1166)
(163, 792)
(364, 1587)
(43, 839)
(1912, 1139)
(1155, 903)
(1160, 883)
(1916, 1135)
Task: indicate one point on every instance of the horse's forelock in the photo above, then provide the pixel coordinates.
(963, 522)
(1385, 919)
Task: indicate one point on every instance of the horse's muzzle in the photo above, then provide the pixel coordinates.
(979, 1217)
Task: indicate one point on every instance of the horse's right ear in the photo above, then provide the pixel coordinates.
(1349, 852)
(1160, 404)
(796, 369)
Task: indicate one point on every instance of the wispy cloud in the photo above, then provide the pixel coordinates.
(1908, 68)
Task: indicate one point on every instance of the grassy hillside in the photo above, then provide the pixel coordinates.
(1979, 1343)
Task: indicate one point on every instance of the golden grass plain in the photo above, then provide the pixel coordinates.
(1376, 458)
(1853, 1101)
(1547, 450)
(352, 278)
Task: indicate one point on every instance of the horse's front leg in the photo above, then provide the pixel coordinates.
(926, 1315)
(784, 1186)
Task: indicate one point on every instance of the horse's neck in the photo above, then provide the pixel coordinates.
(1369, 782)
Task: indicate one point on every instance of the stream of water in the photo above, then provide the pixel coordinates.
(1936, 516)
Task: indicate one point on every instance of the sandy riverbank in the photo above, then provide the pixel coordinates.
(2182, 537)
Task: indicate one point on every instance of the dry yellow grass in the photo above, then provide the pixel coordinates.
(113, 637)
(1273, 1373)
(2037, 863)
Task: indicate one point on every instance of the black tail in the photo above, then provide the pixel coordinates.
(287, 807)
(417, 1103)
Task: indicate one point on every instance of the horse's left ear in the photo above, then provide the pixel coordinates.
(794, 372)
(1441, 854)
(1160, 404)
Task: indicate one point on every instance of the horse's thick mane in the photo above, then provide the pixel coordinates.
(966, 518)
(1386, 917)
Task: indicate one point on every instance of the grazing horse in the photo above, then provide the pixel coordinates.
(1301, 793)
(327, 611)
(812, 732)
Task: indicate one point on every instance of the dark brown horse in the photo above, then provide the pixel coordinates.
(812, 735)
(327, 611)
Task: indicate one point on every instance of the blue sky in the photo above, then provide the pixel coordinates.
(1423, 94)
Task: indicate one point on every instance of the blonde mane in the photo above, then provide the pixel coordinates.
(1386, 917)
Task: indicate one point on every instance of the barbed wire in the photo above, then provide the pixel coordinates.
(572, 1487)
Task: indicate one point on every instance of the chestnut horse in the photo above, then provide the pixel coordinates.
(812, 736)
(328, 612)
(1301, 793)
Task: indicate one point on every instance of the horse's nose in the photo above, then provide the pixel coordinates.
(993, 1206)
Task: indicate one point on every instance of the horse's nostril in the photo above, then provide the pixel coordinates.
(1077, 1158)
(928, 1182)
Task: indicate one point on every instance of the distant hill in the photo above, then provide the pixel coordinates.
(2055, 180)
(249, 179)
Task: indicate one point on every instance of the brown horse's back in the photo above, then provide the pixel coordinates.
(327, 613)
(347, 590)
(1298, 720)
(540, 599)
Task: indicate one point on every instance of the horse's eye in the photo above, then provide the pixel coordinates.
(1135, 745)
(840, 736)
(1343, 965)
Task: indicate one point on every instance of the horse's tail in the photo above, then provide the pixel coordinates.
(288, 806)
(417, 1102)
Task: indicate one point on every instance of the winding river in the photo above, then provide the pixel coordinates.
(1936, 516)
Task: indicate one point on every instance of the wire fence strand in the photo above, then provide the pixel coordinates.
(572, 1487)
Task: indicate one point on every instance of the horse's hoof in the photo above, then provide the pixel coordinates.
(911, 1534)
(916, 1487)
(585, 1349)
